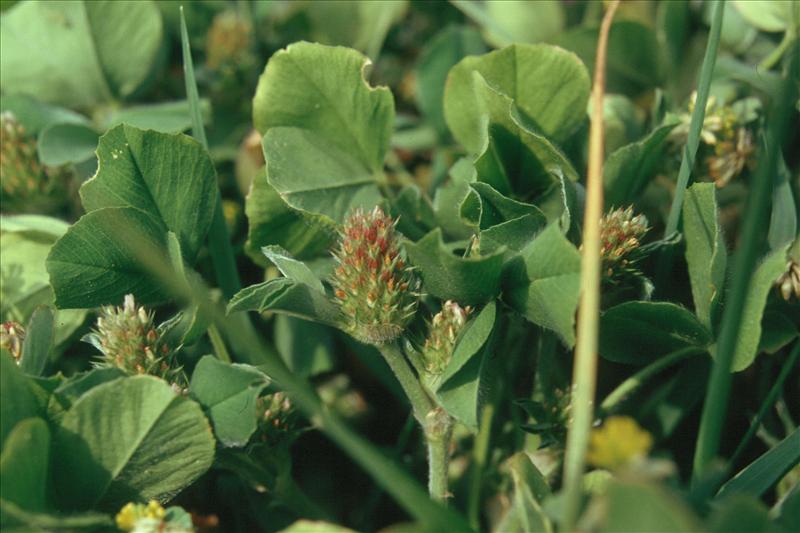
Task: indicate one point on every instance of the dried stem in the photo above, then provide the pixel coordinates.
(585, 368)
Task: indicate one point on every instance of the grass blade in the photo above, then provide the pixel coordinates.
(767, 470)
(218, 239)
(698, 115)
(769, 401)
(753, 235)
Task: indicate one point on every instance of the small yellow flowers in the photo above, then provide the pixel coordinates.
(617, 442)
(129, 516)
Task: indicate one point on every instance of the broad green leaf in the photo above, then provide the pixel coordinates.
(513, 158)
(169, 177)
(772, 15)
(272, 222)
(628, 170)
(306, 348)
(14, 518)
(525, 471)
(634, 58)
(467, 280)
(39, 335)
(484, 207)
(326, 130)
(101, 259)
(783, 219)
(638, 333)
(750, 329)
(515, 21)
(17, 400)
(501, 220)
(361, 25)
(530, 488)
(444, 50)
(788, 509)
(739, 512)
(636, 506)
(24, 465)
(623, 122)
(166, 117)
(86, 53)
(413, 211)
(449, 197)
(544, 282)
(36, 115)
(757, 477)
(292, 268)
(459, 389)
(25, 241)
(75, 386)
(314, 176)
(284, 295)
(705, 249)
(663, 408)
(777, 330)
(549, 86)
(228, 394)
(127, 440)
(60, 144)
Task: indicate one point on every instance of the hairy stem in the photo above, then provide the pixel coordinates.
(436, 423)
(585, 368)
(438, 432)
(421, 402)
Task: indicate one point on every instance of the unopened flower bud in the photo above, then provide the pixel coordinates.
(277, 417)
(443, 333)
(375, 289)
(12, 335)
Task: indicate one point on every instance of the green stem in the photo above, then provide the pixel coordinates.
(698, 116)
(767, 404)
(436, 423)
(625, 388)
(421, 402)
(218, 344)
(387, 473)
(479, 454)
(772, 59)
(585, 368)
(438, 432)
(752, 239)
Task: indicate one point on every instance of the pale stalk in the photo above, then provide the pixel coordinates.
(585, 367)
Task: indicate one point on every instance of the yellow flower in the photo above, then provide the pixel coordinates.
(617, 442)
(132, 513)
